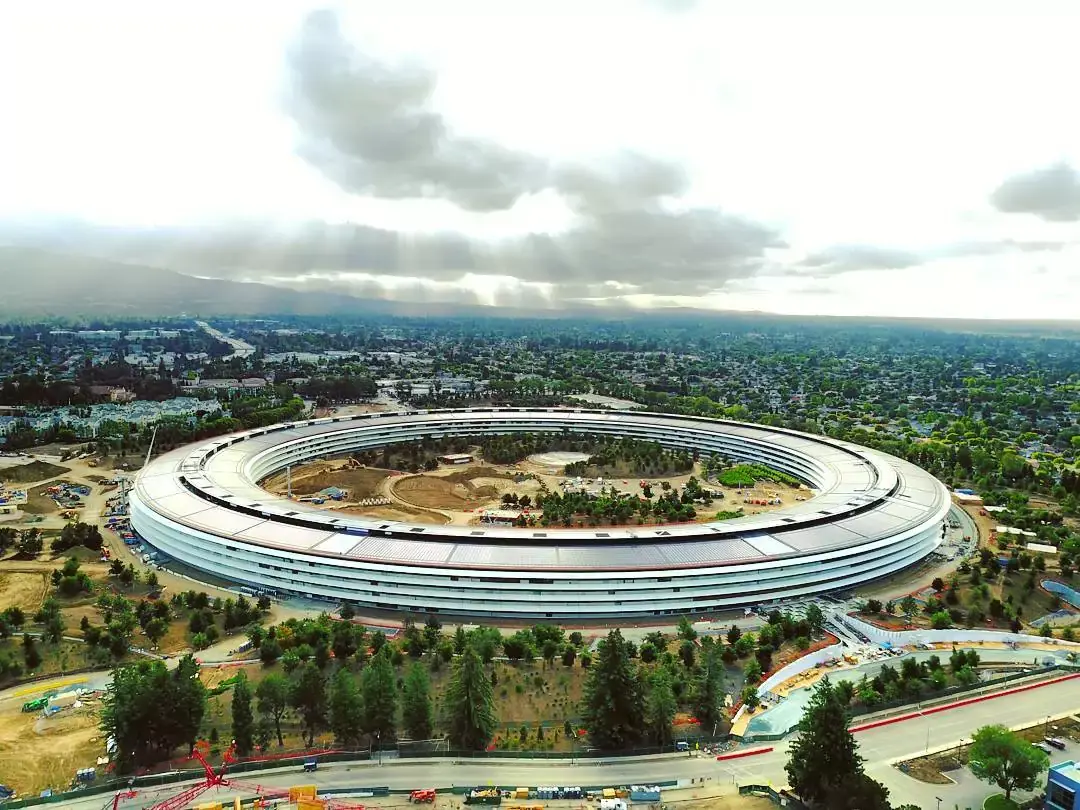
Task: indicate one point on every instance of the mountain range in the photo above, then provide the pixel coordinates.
(36, 283)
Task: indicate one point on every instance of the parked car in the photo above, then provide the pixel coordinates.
(1055, 742)
(1043, 747)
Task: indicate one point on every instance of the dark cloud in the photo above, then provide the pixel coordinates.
(847, 258)
(1051, 193)
(632, 230)
(370, 128)
(630, 181)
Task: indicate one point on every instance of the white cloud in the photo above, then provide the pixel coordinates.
(854, 138)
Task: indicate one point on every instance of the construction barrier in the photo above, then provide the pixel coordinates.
(298, 792)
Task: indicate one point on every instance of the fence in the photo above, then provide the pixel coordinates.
(582, 753)
(782, 798)
(908, 704)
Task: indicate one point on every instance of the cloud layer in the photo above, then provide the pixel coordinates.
(1051, 193)
(370, 128)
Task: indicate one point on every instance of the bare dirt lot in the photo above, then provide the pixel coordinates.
(456, 491)
(361, 482)
(34, 471)
(38, 503)
(407, 514)
(36, 754)
(24, 590)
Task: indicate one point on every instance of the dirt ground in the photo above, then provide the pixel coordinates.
(25, 590)
(361, 482)
(38, 503)
(456, 491)
(36, 754)
(456, 494)
(407, 514)
(34, 471)
(700, 799)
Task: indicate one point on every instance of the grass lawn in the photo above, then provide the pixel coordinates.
(999, 802)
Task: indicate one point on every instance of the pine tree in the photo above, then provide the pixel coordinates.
(470, 704)
(824, 766)
(708, 696)
(380, 698)
(308, 697)
(346, 710)
(613, 707)
(660, 707)
(416, 704)
(243, 720)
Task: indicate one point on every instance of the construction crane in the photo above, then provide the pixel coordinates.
(150, 449)
(216, 779)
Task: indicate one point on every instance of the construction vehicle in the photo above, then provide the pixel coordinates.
(35, 705)
(483, 796)
(426, 796)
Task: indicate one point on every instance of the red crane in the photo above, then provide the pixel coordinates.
(216, 779)
(185, 797)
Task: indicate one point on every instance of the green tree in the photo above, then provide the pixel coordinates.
(1003, 758)
(416, 712)
(346, 710)
(273, 696)
(660, 708)
(815, 618)
(824, 765)
(613, 706)
(380, 698)
(470, 708)
(149, 710)
(686, 630)
(155, 630)
(307, 695)
(908, 606)
(708, 695)
(243, 719)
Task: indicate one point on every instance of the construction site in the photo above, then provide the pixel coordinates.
(469, 491)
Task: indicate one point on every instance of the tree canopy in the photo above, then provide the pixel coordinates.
(824, 767)
(149, 710)
(613, 707)
(1005, 759)
(470, 708)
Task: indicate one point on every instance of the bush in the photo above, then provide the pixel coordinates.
(941, 620)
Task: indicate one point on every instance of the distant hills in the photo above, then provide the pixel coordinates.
(36, 283)
(42, 283)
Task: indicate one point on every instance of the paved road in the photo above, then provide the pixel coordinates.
(881, 747)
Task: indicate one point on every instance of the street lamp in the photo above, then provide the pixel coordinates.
(938, 802)
(378, 742)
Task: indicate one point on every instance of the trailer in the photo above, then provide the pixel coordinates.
(483, 796)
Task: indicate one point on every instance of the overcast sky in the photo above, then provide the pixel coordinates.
(645, 152)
